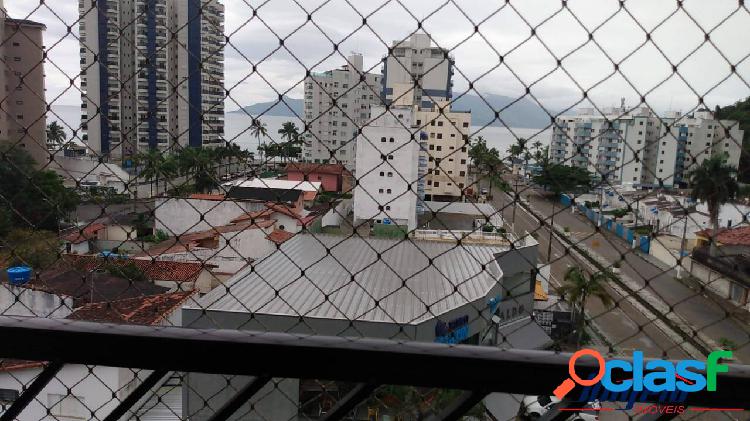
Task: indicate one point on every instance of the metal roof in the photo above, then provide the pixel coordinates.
(395, 287)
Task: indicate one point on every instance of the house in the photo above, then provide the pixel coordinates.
(226, 248)
(310, 189)
(291, 197)
(179, 216)
(333, 177)
(79, 240)
(287, 218)
(83, 392)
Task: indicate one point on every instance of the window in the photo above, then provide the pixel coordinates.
(391, 140)
(390, 157)
(382, 173)
(388, 191)
(390, 174)
(8, 396)
(436, 184)
(440, 123)
(380, 190)
(439, 135)
(440, 148)
(429, 182)
(466, 124)
(437, 172)
(15, 44)
(462, 173)
(419, 122)
(16, 58)
(67, 406)
(388, 207)
(432, 147)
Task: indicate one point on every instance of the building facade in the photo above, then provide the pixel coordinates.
(23, 107)
(637, 147)
(333, 129)
(447, 134)
(387, 169)
(147, 70)
(415, 60)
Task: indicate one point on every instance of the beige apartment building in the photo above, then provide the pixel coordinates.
(22, 105)
(447, 152)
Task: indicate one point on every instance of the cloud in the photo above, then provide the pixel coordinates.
(516, 45)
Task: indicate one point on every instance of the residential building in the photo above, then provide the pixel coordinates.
(726, 273)
(309, 189)
(638, 148)
(416, 72)
(427, 291)
(23, 107)
(615, 145)
(447, 150)
(387, 169)
(333, 177)
(687, 140)
(150, 74)
(333, 128)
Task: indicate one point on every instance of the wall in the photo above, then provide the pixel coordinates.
(21, 301)
(336, 216)
(329, 182)
(181, 216)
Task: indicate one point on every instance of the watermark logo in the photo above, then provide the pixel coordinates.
(638, 380)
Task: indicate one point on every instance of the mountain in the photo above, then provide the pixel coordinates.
(289, 107)
(522, 114)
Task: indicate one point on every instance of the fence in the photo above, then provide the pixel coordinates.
(294, 232)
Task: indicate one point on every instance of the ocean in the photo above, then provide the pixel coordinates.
(237, 129)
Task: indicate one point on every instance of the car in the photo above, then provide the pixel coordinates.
(536, 406)
(484, 192)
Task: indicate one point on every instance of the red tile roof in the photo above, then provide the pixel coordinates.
(141, 310)
(256, 215)
(84, 234)
(203, 196)
(729, 236)
(311, 168)
(10, 365)
(279, 236)
(158, 270)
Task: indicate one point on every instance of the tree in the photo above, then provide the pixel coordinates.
(259, 130)
(32, 198)
(154, 165)
(55, 135)
(715, 183)
(291, 147)
(578, 287)
(37, 249)
(559, 178)
(739, 112)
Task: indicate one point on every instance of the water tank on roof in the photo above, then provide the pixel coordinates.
(19, 275)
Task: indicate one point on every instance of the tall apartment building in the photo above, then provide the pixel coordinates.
(447, 135)
(614, 146)
(136, 56)
(332, 129)
(640, 149)
(22, 105)
(687, 140)
(387, 169)
(417, 60)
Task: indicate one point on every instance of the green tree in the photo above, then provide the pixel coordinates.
(55, 135)
(559, 178)
(155, 165)
(259, 130)
(713, 182)
(577, 289)
(33, 198)
(292, 141)
(200, 165)
(37, 249)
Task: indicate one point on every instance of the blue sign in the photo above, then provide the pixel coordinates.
(386, 221)
(453, 332)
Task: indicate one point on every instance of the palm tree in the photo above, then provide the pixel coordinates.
(578, 288)
(259, 130)
(155, 165)
(516, 151)
(715, 183)
(55, 135)
(290, 133)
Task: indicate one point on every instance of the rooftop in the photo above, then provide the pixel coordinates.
(403, 276)
(156, 270)
(84, 233)
(310, 168)
(25, 22)
(739, 236)
(264, 194)
(146, 310)
(92, 287)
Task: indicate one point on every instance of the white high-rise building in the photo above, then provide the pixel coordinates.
(613, 146)
(415, 59)
(332, 129)
(387, 169)
(151, 72)
(640, 149)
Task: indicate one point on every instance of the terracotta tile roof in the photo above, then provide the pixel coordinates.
(286, 210)
(91, 287)
(141, 310)
(279, 236)
(203, 196)
(187, 242)
(729, 236)
(10, 365)
(84, 234)
(256, 215)
(156, 270)
(311, 168)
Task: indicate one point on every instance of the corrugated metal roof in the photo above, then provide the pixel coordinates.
(393, 281)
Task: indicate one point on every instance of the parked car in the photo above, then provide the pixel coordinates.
(536, 406)
(484, 192)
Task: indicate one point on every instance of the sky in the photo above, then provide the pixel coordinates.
(506, 48)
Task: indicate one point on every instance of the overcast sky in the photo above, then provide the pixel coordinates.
(527, 60)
